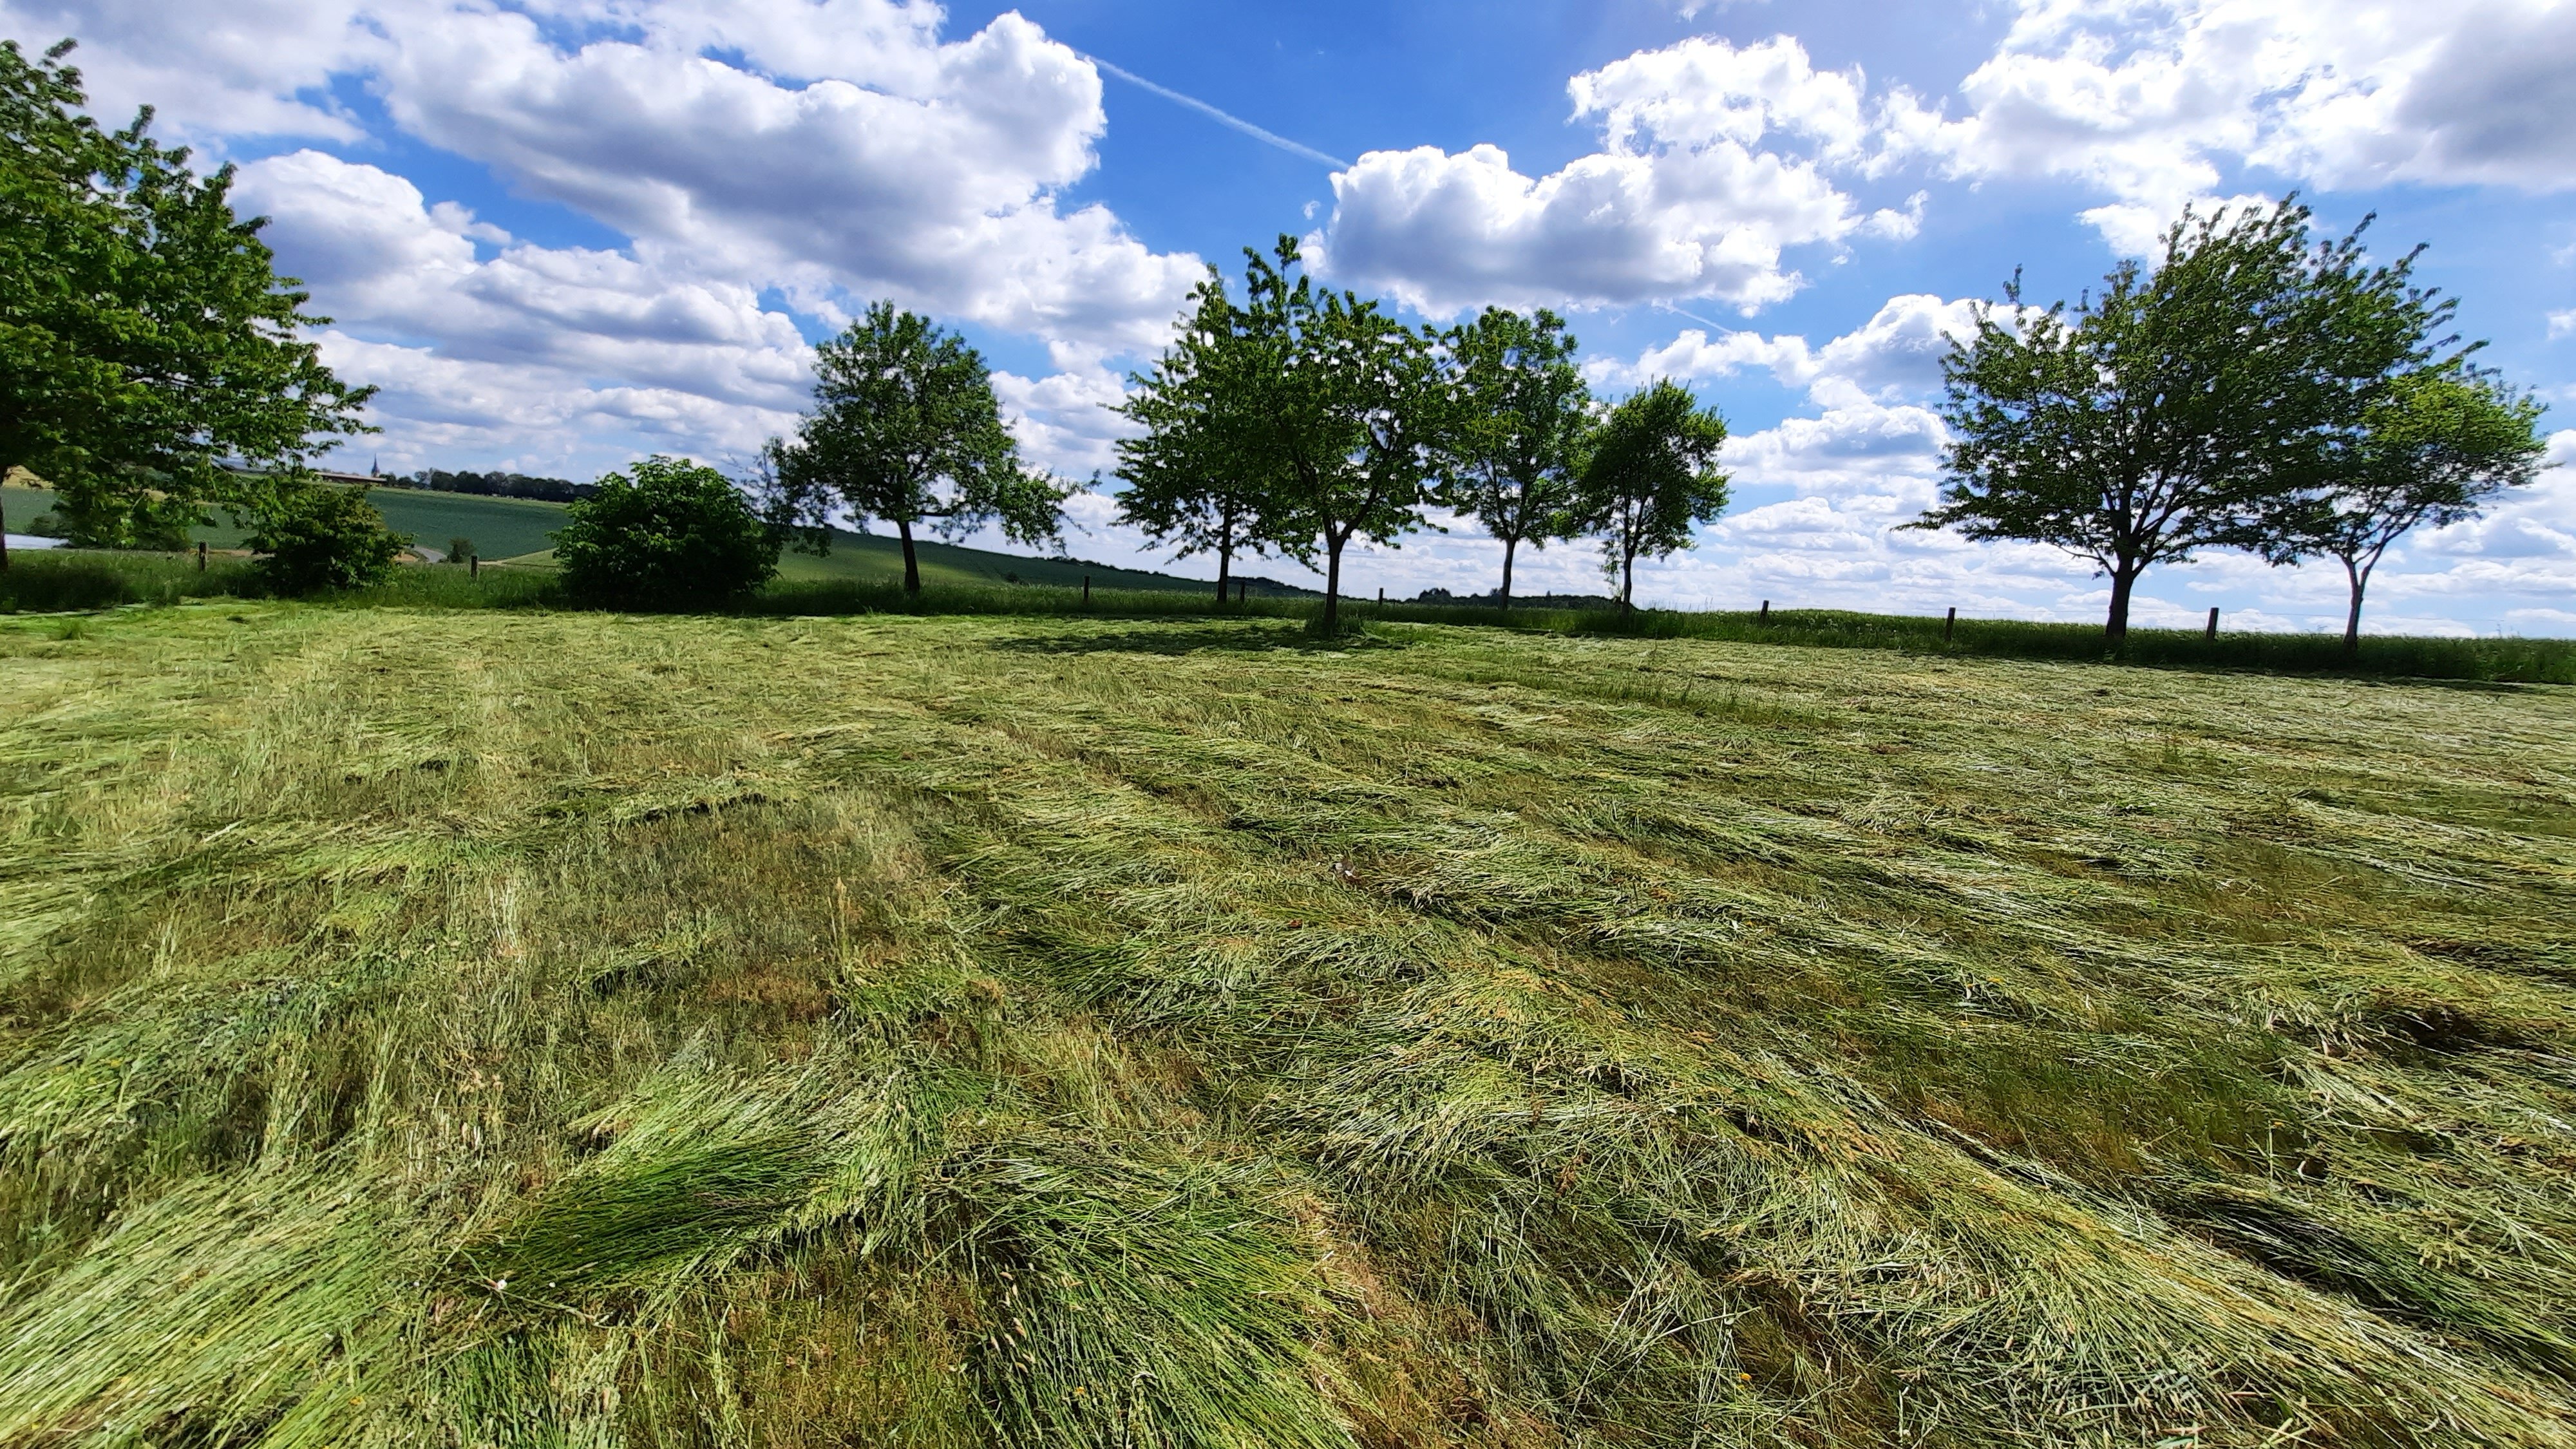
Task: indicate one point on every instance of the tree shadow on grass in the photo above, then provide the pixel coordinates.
(1260, 637)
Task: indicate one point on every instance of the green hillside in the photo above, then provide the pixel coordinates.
(534, 1027)
(517, 528)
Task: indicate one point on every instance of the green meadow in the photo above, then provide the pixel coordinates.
(516, 1026)
(517, 530)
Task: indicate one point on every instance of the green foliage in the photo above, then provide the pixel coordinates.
(93, 515)
(1523, 412)
(571, 1029)
(1649, 477)
(2178, 409)
(322, 536)
(460, 550)
(1196, 480)
(2434, 447)
(674, 535)
(145, 337)
(905, 429)
(1349, 413)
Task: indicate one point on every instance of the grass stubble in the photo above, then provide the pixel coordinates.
(538, 1028)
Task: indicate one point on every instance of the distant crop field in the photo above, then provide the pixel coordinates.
(918, 1030)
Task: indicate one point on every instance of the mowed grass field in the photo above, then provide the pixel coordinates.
(553, 1028)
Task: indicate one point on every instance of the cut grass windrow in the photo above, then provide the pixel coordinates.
(423, 1026)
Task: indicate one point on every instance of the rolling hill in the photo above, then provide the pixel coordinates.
(517, 529)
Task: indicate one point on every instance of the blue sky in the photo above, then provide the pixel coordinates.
(560, 233)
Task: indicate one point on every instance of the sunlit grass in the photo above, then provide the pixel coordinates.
(539, 1026)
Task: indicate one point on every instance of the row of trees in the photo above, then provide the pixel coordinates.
(1294, 420)
(1298, 419)
(2255, 390)
(145, 338)
(495, 485)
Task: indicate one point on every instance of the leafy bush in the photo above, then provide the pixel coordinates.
(676, 535)
(460, 550)
(318, 538)
(91, 513)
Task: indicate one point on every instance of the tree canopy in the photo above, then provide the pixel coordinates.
(1349, 409)
(1197, 481)
(2178, 407)
(1522, 412)
(906, 430)
(1650, 476)
(2434, 447)
(146, 340)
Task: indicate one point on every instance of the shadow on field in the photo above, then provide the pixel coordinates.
(1176, 639)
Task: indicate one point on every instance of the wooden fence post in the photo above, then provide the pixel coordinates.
(201, 555)
(1242, 590)
(1086, 591)
(1950, 625)
(474, 565)
(1766, 612)
(2210, 635)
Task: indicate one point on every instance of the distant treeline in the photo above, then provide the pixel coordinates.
(1493, 598)
(495, 485)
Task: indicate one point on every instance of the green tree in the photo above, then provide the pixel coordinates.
(2436, 447)
(1349, 411)
(1650, 475)
(59, 249)
(1522, 412)
(1192, 483)
(147, 338)
(906, 430)
(318, 536)
(2179, 408)
(673, 535)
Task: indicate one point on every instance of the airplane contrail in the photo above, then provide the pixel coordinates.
(1203, 108)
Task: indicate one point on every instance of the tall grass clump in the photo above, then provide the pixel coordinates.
(425, 1024)
(59, 580)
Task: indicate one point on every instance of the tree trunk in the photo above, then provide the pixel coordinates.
(4, 530)
(1224, 569)
(1509, 545)
(1628, 581)
(2360, 578)
(911, 565)
(1332, 583)
(2115, 631)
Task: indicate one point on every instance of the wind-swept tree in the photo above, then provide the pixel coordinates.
(1350, 412)
(2178, 407)
(906, 430)
(1650, 477)
(1522, 411)
(2435, 448)
(145, 338)
(1193, 484)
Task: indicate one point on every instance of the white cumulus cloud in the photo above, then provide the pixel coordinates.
(1714, 160)
(2156, 102)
